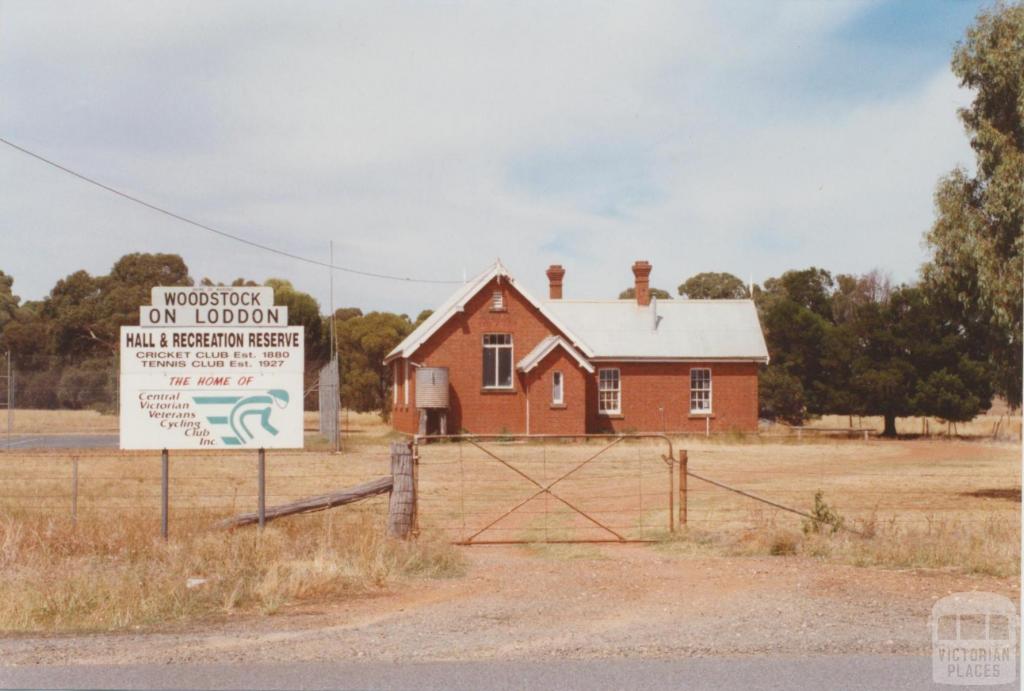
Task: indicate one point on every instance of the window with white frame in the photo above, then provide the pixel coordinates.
(405, 384)
(700, 390)
(497, 361)
(394, 386)
(557, 393)
(609, 392)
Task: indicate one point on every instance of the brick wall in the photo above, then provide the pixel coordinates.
(571, 416)
(458, 345)
(656, 397)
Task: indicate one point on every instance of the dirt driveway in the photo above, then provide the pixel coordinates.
(576, 602)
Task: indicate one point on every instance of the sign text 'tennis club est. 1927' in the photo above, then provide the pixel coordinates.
(213, 368)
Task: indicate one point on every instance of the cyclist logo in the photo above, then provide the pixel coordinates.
(239, 409)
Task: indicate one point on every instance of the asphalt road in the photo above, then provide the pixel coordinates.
(827, 672)
(60, 441)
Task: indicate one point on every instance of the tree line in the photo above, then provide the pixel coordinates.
(65, 346)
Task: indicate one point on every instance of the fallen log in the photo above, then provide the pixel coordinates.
(311, 504)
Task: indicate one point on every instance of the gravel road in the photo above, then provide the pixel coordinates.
(575, 604)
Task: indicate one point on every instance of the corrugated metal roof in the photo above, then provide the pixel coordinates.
(686, 329)
(546, 345)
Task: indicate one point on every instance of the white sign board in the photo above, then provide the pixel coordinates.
(237, 384)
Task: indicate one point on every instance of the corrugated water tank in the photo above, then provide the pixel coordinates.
(431, 387)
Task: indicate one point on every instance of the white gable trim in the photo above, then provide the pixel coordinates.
(457, 303)
(545, 347)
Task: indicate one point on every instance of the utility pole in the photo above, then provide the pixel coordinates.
(334, 350)
(335, 404)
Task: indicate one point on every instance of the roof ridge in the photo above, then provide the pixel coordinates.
(670, 301)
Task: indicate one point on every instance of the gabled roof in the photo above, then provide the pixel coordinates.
(685, 329)
(541, 350)
(457, 303)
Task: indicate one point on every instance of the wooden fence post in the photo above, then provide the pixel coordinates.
(403, 491)
(683, 461)
(416, 486)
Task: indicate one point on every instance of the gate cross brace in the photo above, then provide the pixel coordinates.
(544, 490)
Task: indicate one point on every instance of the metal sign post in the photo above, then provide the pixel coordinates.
(261, 500)
(164, 472)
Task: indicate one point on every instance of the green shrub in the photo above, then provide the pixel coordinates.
(824, 515)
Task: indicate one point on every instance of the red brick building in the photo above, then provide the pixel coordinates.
(518, 365)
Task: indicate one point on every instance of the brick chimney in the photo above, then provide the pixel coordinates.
(641, 275)
(555, 274)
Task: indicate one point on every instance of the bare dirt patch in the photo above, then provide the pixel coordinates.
(650, 601)
(1012, 494)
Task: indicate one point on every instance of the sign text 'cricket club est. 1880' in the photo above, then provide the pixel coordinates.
(213, 368)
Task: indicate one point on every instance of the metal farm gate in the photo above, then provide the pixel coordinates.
(514, 489)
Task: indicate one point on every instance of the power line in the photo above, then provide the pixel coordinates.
(203, 226)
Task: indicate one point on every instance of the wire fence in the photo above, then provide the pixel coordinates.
(106, 485)
(543, 489)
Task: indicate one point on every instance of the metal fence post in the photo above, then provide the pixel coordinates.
(261, 500)
(164, 467)
(683, 461)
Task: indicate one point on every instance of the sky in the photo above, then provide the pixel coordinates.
(428, 139)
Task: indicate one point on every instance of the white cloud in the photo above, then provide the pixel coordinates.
(425, 140)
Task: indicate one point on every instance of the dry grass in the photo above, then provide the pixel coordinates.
(991, 547)
(105, 574)
(999, 424)
(61, 421)
(111, 570)
(928, 503)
